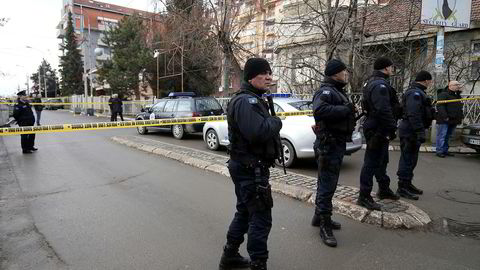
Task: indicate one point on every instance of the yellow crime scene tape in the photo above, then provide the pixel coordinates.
(69, 103)
(124, 124)
(457, 100)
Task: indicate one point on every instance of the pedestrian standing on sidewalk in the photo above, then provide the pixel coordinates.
(334, 124)
(252, 132)
(418, 116)
(38, 108)
(379, 101)
(23, 114)
(116, 107)
(449, 115)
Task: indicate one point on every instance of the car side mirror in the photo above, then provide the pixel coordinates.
(142, 110)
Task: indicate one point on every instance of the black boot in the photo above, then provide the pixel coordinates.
(316, 222)
(404, 192)
(326, 232)
(368, 202)
(387, 193)
(258, 265)
(231, 259)
(413, 189)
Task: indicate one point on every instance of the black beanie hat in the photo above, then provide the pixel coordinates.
(381, 63)
(254, 67)
(333, 67)
(22, 93)
(423, 76)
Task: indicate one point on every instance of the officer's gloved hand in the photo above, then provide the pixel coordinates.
(392, 136)
(421, 136)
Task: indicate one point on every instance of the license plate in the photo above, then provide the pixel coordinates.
(474, 141)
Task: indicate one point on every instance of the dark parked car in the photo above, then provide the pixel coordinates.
(177, 105)
(53, 106)
(471, 136)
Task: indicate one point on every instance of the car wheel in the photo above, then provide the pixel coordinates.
(288, 154)
(178, 132)
(142, 130)
(211, 139)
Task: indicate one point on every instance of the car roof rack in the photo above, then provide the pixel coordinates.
(181, 94)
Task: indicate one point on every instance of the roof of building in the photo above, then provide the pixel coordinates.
(110, 7)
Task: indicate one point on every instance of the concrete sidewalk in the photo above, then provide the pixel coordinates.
(394, 214)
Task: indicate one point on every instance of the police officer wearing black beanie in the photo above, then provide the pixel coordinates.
(418, 116)
(380, 103)
(252, 132)
(334, 124)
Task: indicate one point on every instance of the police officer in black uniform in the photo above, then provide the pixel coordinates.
(418, 116)
(253, 134)
(382, 112)
(334, 123)
(23, 114)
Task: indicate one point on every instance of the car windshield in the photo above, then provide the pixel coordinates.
(207, 104)
(301, 105)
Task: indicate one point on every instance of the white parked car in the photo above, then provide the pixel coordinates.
(296, 133)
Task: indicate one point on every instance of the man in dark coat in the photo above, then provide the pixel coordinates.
(116, 107)
(37, 107)
(334, 123)
(381, 105)
(418, 116)
(23, 114)
(449, 115)
(253, 135)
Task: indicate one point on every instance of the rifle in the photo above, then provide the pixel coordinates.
(278, 141)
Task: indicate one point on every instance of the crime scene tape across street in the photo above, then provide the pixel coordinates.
(123, 124)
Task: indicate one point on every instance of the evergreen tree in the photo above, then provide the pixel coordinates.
(130, 56)
(71, 63)
(39, 79)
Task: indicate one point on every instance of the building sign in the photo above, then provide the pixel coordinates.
(448, 13)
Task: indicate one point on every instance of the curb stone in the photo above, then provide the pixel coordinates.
(431, 149)
(395, 215)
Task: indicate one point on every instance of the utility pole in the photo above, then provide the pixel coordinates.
(439, 58)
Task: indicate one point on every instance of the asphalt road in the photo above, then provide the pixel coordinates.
(99, 205)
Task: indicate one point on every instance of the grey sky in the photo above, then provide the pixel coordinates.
(33, 23)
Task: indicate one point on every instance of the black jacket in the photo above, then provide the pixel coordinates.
(116, 105)
(332, 110)
(417, 111)
(379, 102)
(37, 107)
(251, 129)
(23, 114)
(449, 113)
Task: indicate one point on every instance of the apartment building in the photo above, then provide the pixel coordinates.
(91, 19)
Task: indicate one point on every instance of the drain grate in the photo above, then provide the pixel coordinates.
(460, 196)
(448, 226)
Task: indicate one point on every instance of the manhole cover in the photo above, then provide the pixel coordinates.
(460, 196)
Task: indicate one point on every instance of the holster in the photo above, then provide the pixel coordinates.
(261, 198)
(375, 141)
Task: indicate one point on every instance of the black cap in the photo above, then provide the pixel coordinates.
(22, 93)
(254, 67)
(381, 63)
(423, 76)
(333, 67)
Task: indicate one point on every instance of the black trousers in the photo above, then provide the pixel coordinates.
(329, 158)
(256, 224)
(374, 164)
(408, 159)
(113, 118)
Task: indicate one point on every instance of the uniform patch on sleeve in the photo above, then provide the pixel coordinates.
(252, 100)
(326, 92)
(416, 95)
